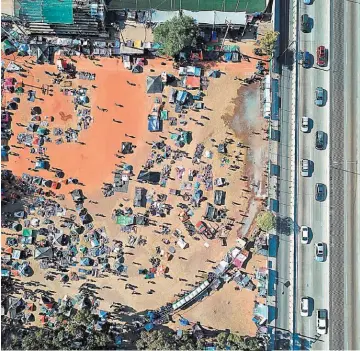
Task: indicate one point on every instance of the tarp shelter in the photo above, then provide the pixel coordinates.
(214, 73)
(193, 71)
(149, 326)
(219, 197)
(13, 67)
(77, 195)
(148, 177)
(125, 220)
(182, 96)
(153, 123)
(191, 82)
(8, 48)
(162, 16)
(154, 85)
(43, 252)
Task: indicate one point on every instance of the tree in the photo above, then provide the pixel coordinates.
(176, 34)
(265, 221)
(156, 340)
(268, 41)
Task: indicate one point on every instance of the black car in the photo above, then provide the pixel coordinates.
(320, 142)
(305, 24)
(320, 192)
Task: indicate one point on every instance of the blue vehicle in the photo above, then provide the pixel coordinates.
(307, 2)
(319, 96)
(305, 59)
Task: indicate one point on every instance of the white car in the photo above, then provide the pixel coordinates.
(305, 167)
(305, 307)
(321, 322)
(305, 126)
(305, 235)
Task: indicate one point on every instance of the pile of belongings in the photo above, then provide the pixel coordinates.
(86, 75)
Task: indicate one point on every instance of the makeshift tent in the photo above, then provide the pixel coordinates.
(154, 85)
(126, 148)
(43, 252)
(153, 124)
(219, 197)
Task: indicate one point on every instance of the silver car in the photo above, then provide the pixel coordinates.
(305, 167)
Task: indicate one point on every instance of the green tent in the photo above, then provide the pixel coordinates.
(125, 220)
(164, 115)
(187, 137)
(27, 232)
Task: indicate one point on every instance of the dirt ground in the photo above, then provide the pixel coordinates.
(231, 114)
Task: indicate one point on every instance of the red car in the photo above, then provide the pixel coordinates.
(321, 56)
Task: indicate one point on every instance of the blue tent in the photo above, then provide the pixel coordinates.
(149, 326)
(228, 56)
(86, 261)
(184, 321)
(103, 314)
(153, 124)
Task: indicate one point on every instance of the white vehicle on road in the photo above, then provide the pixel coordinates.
(305, 234)
(321, 322)
(305, 168)
(305, 126)
(305, 307)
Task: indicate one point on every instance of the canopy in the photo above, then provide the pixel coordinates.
(125, 220)
(154, 85)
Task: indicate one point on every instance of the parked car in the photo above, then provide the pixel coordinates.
(305, 167)
(307, 2)
(321, 56)
(305, 125)
(305, 307)
(319, 96)
(320, 142)
(321, 321)
(320, 252)
(305, 23)
(305, 234)
(320, 192)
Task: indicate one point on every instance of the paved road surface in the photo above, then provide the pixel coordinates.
(345, 178)
(313, 276)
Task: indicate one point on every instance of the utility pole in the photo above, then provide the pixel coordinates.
(227, 30)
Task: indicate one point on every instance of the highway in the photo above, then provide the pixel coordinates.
(313, 276)
(345, 178)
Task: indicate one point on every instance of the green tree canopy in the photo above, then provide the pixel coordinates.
(268, 41)
(265, 221)
(176, 34)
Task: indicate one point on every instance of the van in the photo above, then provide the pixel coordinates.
(320, 143)
(304, 307)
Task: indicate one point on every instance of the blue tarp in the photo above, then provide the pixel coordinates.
(102, 314)
(153, 124)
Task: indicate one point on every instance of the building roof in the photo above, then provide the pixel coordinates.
(217, 17)
(250, 6)
(45, 11)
